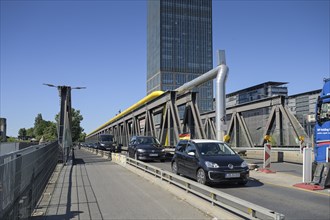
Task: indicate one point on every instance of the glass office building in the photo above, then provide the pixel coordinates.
(179, 46)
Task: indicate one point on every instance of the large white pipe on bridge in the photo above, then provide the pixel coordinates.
(220, 73)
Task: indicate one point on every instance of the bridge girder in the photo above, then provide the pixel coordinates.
(248, 123)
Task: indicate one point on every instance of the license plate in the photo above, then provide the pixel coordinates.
(232, 175)
(153, 155)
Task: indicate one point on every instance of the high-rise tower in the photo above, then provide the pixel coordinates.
(179, 46)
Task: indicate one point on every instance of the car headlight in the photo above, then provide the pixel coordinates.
(163, 150)
(141, 150)
(244, 164)
(102, 145)
(211, 165)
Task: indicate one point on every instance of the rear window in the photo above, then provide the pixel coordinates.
(147, 140)
(106, 138)
(181, 146)
(214, 149)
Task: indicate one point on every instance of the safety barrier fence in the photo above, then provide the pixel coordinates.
(235, 205)
(23, 177)
(277, 154)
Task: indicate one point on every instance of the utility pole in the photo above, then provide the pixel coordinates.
(65, 122)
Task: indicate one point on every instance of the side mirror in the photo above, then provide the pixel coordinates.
(191, 153)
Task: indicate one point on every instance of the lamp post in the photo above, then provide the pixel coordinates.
(65, 119)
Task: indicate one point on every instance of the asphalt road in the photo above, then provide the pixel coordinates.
(294, 203)
(96, 188)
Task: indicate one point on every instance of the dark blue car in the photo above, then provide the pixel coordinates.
(209, 161)
(146, 148)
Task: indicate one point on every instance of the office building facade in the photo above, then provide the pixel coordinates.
(303, 106)
(179, 46)
(253, 93)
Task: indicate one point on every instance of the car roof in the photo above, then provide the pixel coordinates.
(205, 141)
(144, 136)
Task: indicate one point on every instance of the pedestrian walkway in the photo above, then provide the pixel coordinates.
(96, 188)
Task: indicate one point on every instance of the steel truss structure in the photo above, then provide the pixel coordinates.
(171, 114)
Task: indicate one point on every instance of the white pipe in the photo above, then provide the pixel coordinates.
(220, 73)
(198, 81)
(220, 102)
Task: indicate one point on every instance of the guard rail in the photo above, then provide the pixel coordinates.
(236, 205)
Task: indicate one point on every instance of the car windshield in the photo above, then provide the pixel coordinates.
(106, 138)
(214, 149)
(147, 140)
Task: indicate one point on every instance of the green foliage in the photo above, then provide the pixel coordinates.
(22, 132)
(11, 139)
(50, 132)
(39, 126)
(76, 129)
(82, 137)
(48, 129)
(42, 128)
(30, 132)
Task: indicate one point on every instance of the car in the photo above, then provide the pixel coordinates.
(146, 148)
(209, 161)
(90, 145)
(106, 142)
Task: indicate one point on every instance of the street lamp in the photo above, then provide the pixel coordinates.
(51, 85)
(65, 119)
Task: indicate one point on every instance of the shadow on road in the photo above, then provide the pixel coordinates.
(252, 183)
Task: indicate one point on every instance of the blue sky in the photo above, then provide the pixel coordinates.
(102, 45)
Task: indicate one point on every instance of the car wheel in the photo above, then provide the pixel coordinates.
(175, 168)
(201, 177)
(162, 160)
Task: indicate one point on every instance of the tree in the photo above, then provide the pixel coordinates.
(82, 137)
(22, 133)
(76, 129)
(47, 129)
(39, 126)
(30, 132)
(50, 132)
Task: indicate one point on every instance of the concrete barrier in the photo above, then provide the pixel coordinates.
(277, 156)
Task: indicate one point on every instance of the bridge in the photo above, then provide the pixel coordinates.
(99, 185)
(167, 114)
(49, 181)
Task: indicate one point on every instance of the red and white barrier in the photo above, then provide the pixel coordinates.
(267, 155)
(267, 158)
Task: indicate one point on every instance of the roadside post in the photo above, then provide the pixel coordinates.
(307, 181)
(301, 141)
(307, 164)
(267, 156)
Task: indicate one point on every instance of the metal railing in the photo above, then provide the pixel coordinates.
(23, 177)
(231, 203)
